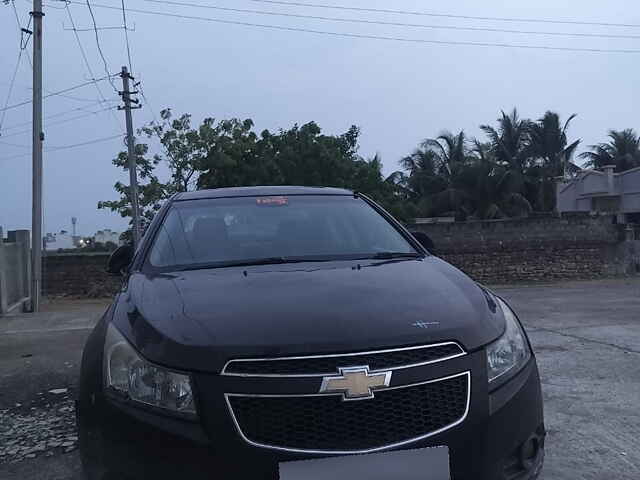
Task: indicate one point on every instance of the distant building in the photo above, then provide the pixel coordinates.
(61, 240)
(602, 191)
(105, 236)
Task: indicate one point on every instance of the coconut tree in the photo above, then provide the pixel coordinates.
(548, 143)
(423, 178)
(510, 140)
(552, 155)
(510, 147)
(622, 150)
(432, 170)
(451, 154)
(450, 150)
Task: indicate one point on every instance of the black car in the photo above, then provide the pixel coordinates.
(261, 326)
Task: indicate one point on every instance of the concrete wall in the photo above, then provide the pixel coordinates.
(594, 182)
(78, 274)
(631, 185)
(14, 270)
(576, 194)
(576, 246)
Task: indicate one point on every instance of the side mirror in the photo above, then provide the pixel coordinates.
(120, 259)
(424, 240)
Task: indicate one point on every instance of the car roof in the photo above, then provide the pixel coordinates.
(259, 192)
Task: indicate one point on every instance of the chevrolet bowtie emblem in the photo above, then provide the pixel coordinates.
(355, 383)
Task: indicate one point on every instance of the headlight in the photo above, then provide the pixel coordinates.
(511, 351)
(132, 377)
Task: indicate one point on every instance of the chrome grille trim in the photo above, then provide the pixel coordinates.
(338, 355)
(227, 396)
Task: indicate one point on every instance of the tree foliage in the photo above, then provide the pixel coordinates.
(227, 153)
(622, 151)
(511, 172)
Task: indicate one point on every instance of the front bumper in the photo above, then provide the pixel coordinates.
(501, 438)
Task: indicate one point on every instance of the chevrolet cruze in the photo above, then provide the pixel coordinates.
(267, 332)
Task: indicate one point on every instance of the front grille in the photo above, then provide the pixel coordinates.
(326, 423)
(328, 365)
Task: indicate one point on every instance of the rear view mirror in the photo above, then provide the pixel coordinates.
(119, 260)
(424, 240)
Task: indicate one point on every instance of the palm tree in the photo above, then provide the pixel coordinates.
(548, 146)
(451, 154)
(450, 150)
(423, 179)
(548, 142)
(481, 178)
(431, 170)
(510, 147)
(510, 141)
(622, 150)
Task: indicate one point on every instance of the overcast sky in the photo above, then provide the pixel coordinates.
(398, 92)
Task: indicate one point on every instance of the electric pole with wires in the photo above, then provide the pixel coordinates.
(38, 138)
(133, 176)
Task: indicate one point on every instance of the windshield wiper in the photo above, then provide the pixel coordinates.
(392, 255)
(255, 261)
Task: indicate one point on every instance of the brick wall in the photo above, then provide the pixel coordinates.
(78, 275)
(576, 246)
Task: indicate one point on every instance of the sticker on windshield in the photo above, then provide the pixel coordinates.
(272, 201)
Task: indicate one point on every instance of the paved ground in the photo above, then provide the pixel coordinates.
(586, 336)
(587, 339)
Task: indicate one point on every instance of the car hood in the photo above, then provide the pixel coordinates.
(197, 320)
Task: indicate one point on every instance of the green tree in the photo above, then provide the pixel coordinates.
(423, 177)
(622, 150)
(228, 153)
(510, 147)
(549, 143)
(182, 148)
(552, 154)
(151, 192)
(450, 151)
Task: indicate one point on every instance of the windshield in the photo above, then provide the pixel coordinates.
(219, 232)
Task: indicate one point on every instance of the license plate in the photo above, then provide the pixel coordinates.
(420, 464)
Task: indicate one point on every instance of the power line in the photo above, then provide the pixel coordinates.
(53, 94)
(447, 15)
(373, 37)
(15, 11)
(10, 91)
(59, 114)
(70, 97)
(146, 102)
(100, 28)
(17, 67)
(82, 144)
(395, 24)
(95, 29)
(126, 36)
(59, 122)
(66, 147)
(86, 62)
(14, 144)
(48, 5)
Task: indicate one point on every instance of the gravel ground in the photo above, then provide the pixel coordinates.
(45, 426)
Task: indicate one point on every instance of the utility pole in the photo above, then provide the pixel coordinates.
(38, 138)
(133, 176)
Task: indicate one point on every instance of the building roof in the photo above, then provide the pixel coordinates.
(259, 192)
